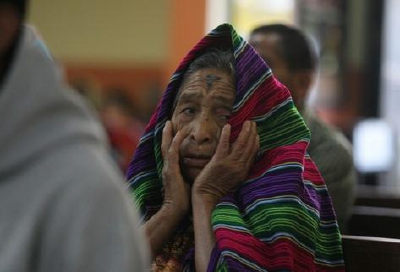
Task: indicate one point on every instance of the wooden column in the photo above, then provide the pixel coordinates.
(186, 28)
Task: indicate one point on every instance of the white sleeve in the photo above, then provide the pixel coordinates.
(92, 226)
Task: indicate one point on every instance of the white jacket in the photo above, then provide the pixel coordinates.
(63, 206)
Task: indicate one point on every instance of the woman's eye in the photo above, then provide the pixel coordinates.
(189, 111)
(224, 114)
(226, 117)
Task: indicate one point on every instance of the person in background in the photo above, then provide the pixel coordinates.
(122, 126)
(63, 204)
(293, 61)
(221, 175)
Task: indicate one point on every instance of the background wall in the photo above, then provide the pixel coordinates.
(106, 46)
(129, 45)
(123, 31)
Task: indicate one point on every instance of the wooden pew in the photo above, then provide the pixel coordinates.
(374, 221)
(374, 254)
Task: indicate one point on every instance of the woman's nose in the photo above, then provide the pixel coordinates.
(204, 131)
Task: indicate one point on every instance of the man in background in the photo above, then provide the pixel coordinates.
(294, 63)
(63, 205)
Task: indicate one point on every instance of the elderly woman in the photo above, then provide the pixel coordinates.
(221, 173)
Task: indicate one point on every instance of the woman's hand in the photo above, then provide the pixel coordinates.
(227, 169)
(176, 190)
(229, 166)
(161, 226)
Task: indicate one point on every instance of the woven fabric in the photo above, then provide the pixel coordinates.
(281, 218)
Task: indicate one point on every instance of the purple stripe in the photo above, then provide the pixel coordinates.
(276, 184)
(242, 65)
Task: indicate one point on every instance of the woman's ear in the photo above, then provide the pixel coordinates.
(304, 81)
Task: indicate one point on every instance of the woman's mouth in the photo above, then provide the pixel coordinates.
(196, 161)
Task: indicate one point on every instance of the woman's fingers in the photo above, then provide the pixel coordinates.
(241, 142)
(166, 138)
(173, 152)
(223, 144)
(252, 144)
(170, 144)
(246, 141)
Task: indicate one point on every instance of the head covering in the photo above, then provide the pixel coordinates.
(281, 218)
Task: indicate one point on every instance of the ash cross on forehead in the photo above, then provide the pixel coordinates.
(210, 79)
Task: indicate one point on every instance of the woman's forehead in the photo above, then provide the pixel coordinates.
(206, 80)
(209, 79)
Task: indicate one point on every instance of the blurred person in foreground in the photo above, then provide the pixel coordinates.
(221, 173)
(293, 61)
(63, 205)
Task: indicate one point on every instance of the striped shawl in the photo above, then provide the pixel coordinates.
(281, 218)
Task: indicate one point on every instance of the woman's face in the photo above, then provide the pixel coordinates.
(204, 106)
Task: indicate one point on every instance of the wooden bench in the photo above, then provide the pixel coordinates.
(374, 221)
(374, 254)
